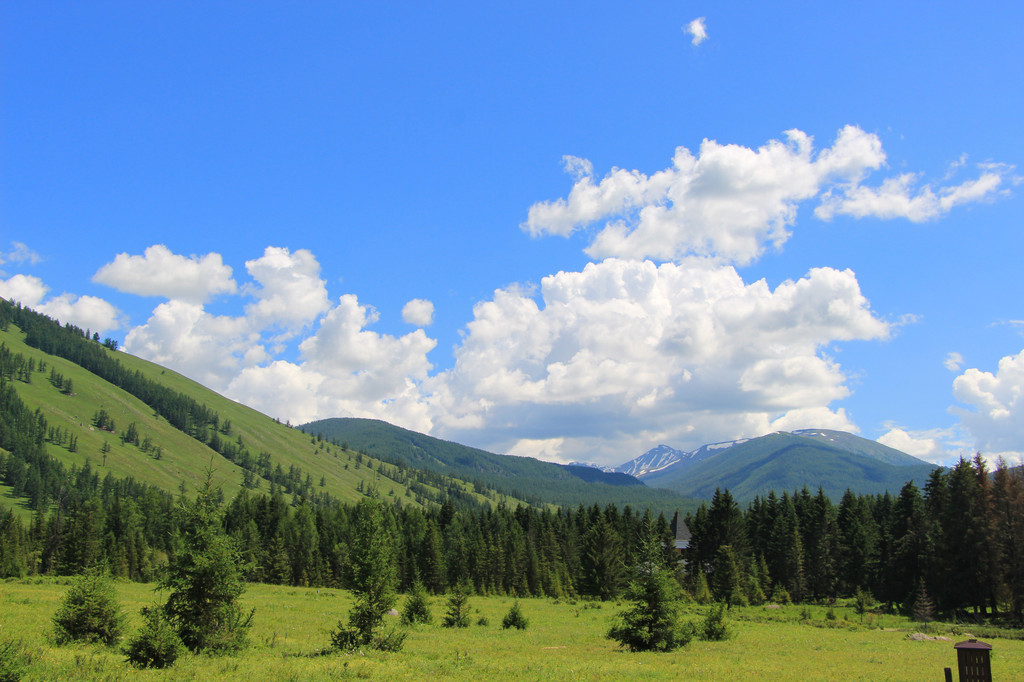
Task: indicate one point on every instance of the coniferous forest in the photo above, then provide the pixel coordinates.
(951, 545)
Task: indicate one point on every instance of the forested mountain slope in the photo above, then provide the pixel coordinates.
(833, 460)
(522, 477)
(130, 418)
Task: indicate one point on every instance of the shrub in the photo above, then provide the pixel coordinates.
(12, 660)
(156, 645)
(417, 607)
(458, 609)
(715, 628)
(514, 618)
(482, 621)
(89, 611)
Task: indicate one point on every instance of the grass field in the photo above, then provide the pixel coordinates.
(564, 641)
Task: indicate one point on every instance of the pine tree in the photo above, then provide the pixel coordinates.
(652, 622)
(373, 581)
(457, 615)
(205, 579)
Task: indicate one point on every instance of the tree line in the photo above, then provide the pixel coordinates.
(954, 548)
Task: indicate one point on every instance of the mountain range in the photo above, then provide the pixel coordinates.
(833, 460)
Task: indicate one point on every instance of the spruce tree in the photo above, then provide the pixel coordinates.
(652, 622)
(205, 579)
(373, 582)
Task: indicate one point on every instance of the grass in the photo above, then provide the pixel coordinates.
(184, 459)
(564, 641)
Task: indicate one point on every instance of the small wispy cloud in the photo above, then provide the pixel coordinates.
(20, 253)
(953, 362)
(698, 30)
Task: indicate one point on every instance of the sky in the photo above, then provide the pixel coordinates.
(572, 231)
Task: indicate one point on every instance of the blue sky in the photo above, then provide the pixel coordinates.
(565, 230)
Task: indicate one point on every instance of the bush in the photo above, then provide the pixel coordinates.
(12, 660)
(156, 645)
(458, 609)
(89, 612)
(417, 607)
(715, 628)
(514, 618)
(348, 638)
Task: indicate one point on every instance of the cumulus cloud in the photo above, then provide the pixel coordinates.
(953, 362)
(160, 272)
(87, 312)
(419, 312)
(345, 370)
(936, 446)
(698, 30)
(25, 289)
(210, 349)
(644, 349)
(727, 202)
(291, 293)
(730, 202)
(995, 412)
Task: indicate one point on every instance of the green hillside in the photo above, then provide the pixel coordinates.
(521, 477)
(242, 446)
(789, 461)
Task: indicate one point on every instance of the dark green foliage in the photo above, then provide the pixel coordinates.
(13, 660)
(652, 623)
(780, 461)
(373, 583)
(714, 627)
(156, 645)
(205, 579)
(89, 611)
(417, 607)
(522, 477)
(727, 578)
(457, 615)
(514, 618)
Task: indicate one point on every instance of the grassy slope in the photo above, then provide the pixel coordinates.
(184, 458)
(564, 641)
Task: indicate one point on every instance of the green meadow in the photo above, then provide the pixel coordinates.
(564, 641)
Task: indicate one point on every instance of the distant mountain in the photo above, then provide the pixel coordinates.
(532, 479)
(664, 457)
(833, 460)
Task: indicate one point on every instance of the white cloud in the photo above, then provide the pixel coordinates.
(897, 198)
(20, 253)
(210, 349)
(88, 312)
(25, 289)
(995, 416)
(291, 293)
(923, 445)
(159, 272)
(698, 30)
(727, 202)
(419, 312)
(953, 362)
(630, 347)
